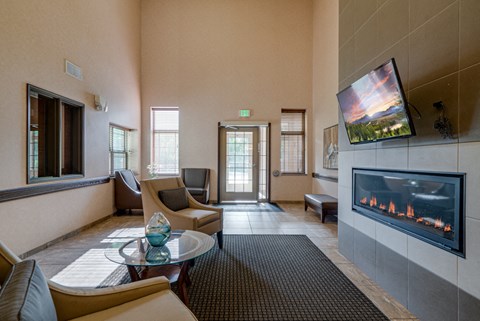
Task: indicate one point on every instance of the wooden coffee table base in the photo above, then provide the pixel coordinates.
(173, 272)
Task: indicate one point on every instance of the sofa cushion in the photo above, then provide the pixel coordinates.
(203, 216)
(164, 305)
(25, 295)
(175, 199)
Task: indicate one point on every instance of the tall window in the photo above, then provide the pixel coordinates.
(164, 141)
(55, 136)
(292, 148)
(118, 148)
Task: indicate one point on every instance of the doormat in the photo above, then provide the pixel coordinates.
(259, 207)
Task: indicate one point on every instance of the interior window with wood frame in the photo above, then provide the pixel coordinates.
(292, 148)
(55, 136)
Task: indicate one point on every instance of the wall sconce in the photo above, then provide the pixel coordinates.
(101, 103)
(442, 124)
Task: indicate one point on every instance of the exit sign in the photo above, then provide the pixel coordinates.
(244, 113)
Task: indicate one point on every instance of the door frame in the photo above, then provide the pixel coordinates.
(257, 124)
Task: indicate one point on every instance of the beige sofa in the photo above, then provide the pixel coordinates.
(21, 286)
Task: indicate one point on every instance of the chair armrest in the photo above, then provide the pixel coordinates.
(193, 203)
(75, 302)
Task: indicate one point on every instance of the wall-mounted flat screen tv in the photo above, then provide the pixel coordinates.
(374, 107)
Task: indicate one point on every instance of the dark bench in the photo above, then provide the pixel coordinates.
(322, 204)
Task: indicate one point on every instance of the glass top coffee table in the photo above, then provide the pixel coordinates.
(171, 260)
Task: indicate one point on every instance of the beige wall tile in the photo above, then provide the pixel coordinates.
(434, 48)
(365, 225)
(434, 259)
(346, 26)
(343, 4)
(345, 213)
(422, 10)
(393, 158)
(469, 32)
(364, 9)
(366, 146)
(468, 268)
(433, 158)
(469, 156)
(365, 158)
(444, 89)
(391, 238)
(399, 51)
(392, 23)
(346, 60)
(365, 43)
(381, 3)
(345, 164)
(469, 104)
(392, 143)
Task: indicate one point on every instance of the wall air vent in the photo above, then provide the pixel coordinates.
(73, 70)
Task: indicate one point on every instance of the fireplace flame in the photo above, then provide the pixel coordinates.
(410, 211)
(373, 201)
(391, 208)
(410, 214)
(438, 223)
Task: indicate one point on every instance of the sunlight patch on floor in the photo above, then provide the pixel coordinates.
(89, 270)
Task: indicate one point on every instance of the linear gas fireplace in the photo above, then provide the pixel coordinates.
(426, 205)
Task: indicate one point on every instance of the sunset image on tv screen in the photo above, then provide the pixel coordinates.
(373, 107)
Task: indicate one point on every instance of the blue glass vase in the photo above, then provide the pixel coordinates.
(158, 230)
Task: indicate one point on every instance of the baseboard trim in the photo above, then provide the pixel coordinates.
(63, 237)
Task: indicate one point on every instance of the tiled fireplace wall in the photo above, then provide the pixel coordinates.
(435, 44)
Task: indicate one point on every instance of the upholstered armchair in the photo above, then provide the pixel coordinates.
(197, 182)
(170, 196)
(127, 191)
(26, 293)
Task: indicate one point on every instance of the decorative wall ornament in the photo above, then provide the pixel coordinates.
(330, 147)
(442, 124)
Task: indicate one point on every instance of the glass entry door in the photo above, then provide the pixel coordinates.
(238, 164)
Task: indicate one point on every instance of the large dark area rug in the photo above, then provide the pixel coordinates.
(259, 207)
(274, 277)
(270, 277)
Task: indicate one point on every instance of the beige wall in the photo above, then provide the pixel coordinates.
(325, 80)
(211, 58)
(435, 44)
(103, 38)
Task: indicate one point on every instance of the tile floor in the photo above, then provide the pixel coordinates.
(79, 260)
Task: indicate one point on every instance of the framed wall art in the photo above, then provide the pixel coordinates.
(330, 147)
